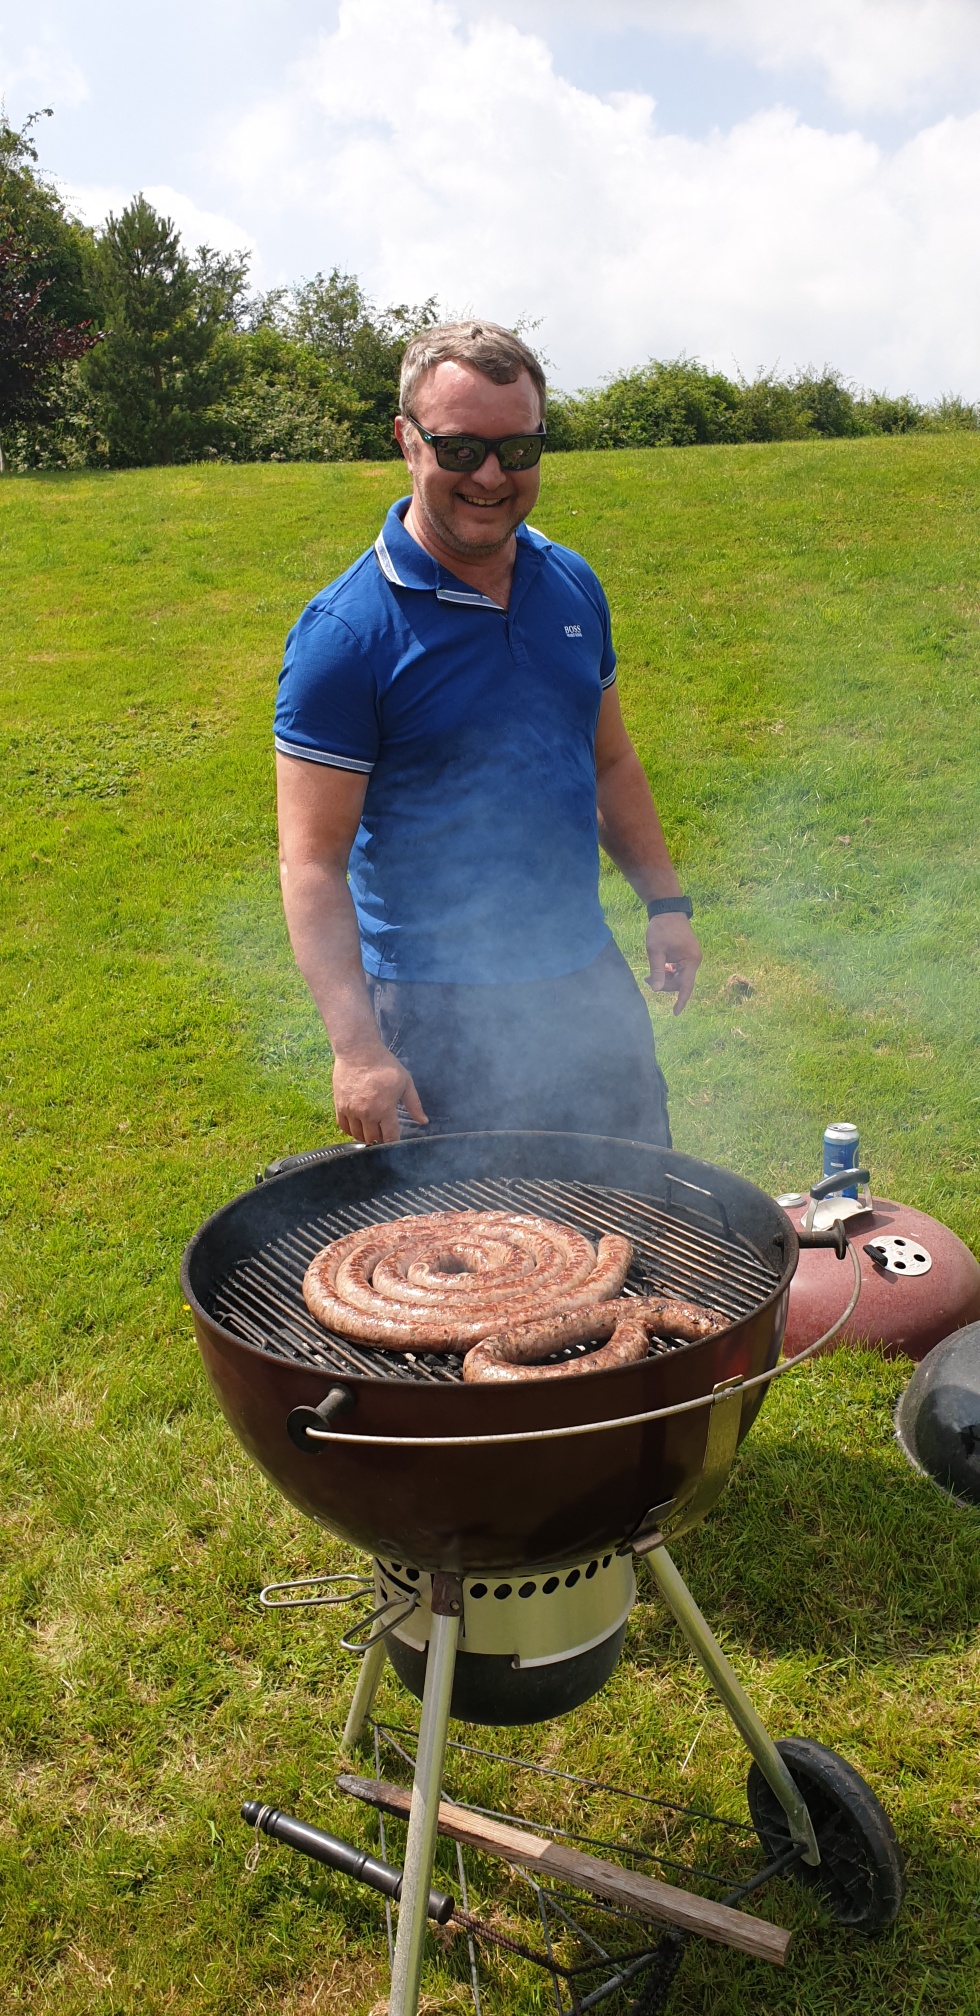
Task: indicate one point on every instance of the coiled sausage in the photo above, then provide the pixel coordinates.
(629, 1326)
(441, 1282)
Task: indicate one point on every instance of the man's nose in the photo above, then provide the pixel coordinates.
(489, 473)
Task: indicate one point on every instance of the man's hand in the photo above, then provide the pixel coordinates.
(674, 955)
(319, 811)
(367, 1089)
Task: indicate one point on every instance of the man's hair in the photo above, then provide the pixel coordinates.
(497, 352)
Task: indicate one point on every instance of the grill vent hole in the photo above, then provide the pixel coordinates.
(479, 1589)
(551, 1585)
(503, 1590)
(527, 1589)
(591, 1570)
(570, 1580)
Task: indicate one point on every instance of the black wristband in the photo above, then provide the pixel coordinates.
(661, 904)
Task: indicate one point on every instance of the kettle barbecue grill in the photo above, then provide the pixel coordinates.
(504, 1521)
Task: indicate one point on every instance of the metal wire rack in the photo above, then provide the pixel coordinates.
(687, 1251)
(594, 1952)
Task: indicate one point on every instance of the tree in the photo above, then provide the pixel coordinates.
(32, 208)
(358, 347)
(169, 355)
(41, 287)
(33, 346)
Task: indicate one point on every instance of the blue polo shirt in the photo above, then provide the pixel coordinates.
(476, 859)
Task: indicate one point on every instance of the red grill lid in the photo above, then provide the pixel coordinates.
(900, 1313)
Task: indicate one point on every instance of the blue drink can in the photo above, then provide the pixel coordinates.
(840, 1151)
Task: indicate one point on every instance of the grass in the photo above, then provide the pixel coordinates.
(798, 631)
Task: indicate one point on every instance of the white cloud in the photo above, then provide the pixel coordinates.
(457, 162)
(873, 55)
(92, 202)
(42, 72)
(197, 226)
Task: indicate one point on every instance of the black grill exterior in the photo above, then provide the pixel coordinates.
(474, 1479)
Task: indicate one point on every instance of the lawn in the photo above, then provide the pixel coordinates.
(798, 634)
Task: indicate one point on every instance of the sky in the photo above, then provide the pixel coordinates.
(761, 185)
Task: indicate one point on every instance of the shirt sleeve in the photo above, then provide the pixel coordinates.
(589, 584)
(607, 661)
(327, 704)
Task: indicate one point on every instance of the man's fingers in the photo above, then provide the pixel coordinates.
(674, 955)
(413, 1104)
(366, 1097)
(685, 978)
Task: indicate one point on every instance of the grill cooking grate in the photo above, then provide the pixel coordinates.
(261, 1299)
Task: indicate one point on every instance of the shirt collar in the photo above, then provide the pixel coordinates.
(406, 564)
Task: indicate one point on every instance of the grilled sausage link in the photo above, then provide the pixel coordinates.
(628, 1325)
(441, 1282)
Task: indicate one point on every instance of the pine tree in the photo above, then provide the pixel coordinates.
(169, 354)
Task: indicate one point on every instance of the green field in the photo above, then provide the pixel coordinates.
(798, 632)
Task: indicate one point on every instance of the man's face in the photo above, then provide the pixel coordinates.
(474, 514)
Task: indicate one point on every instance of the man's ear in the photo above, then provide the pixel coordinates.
(402, 437)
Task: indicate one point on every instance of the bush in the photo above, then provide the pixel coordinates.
(881, 415)
(69, 437)
(769, 411)
(952, 415)
(661, 405)
(274, 421)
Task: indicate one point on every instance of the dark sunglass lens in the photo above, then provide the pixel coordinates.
(461, 452)
(522, 451)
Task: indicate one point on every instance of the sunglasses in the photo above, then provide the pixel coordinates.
(464, 452)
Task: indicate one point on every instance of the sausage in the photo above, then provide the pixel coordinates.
(444, 1281)
(628, 1325)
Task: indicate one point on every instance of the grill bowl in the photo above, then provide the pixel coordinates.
(498, 1506)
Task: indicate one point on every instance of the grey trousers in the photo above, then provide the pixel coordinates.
(569, 1056)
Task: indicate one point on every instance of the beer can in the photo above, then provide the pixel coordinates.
(840, 1151)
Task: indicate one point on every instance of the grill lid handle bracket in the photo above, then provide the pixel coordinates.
(318, 1418)
(707, 1205)
(834, 1236)
(724, 1422)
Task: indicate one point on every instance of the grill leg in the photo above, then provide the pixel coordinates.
(423, 1817)
(759, 1743)
(364, 1693)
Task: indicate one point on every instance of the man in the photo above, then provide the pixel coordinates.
(448, 731)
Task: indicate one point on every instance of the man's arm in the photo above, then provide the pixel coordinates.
(319, 813)
(633, 838)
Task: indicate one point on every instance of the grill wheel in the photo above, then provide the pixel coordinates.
(861, 1876)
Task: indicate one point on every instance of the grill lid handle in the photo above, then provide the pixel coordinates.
(842, 1179)
(335, 1402)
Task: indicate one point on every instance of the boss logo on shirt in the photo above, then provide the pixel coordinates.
(573, 629)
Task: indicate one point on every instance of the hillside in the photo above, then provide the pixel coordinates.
(798, 635)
